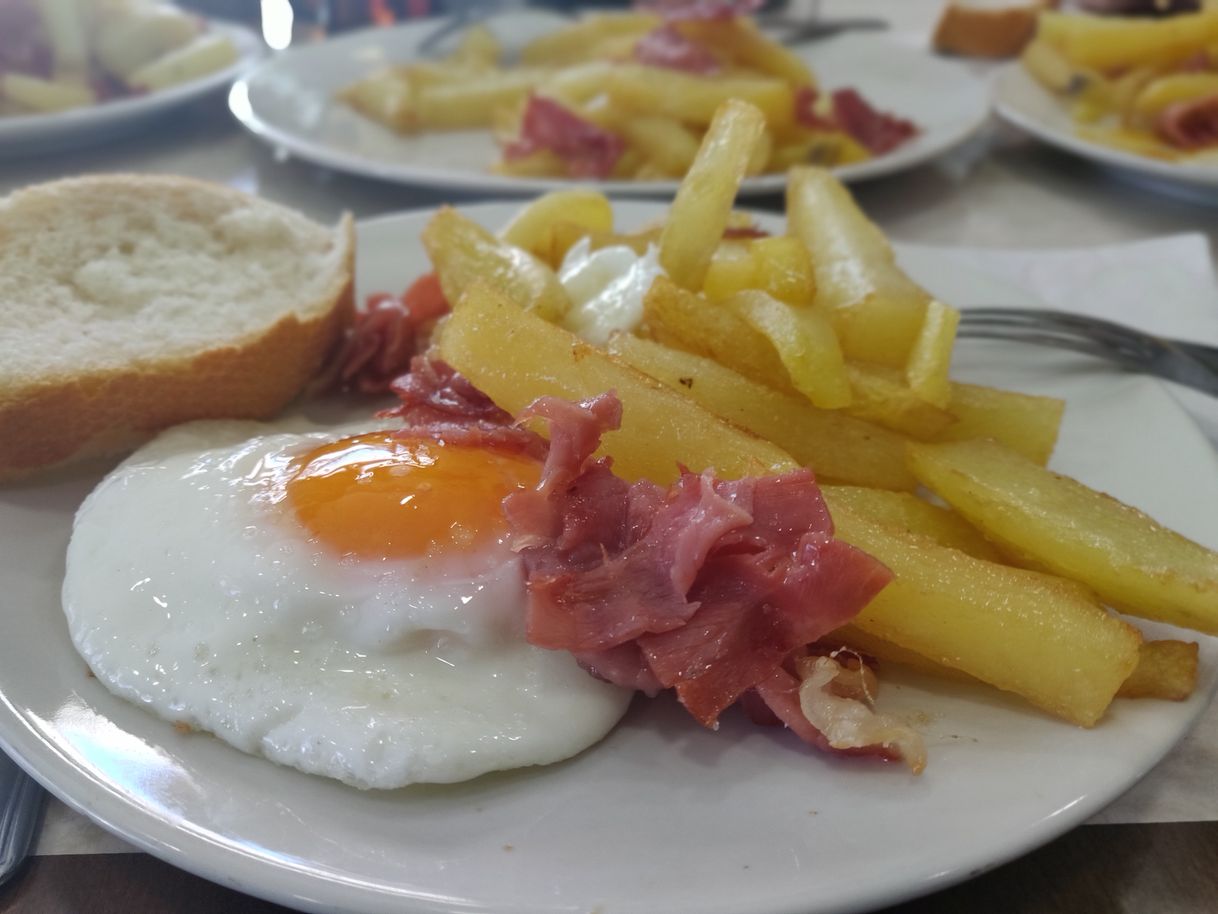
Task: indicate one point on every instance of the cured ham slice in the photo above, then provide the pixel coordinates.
(713, 588)
(667, 47)
(1190, 125)
(588, 151)
(387, 333)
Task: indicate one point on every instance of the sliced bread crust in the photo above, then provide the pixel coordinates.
(134, 331)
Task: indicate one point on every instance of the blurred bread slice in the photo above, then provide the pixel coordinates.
(131, 303)
(987, 28)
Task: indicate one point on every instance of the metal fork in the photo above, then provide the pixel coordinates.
(1192, 364)
(20, 805)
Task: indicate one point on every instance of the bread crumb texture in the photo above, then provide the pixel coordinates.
(131, 303)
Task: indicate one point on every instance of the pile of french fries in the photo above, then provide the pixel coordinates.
(1118, 75)
(131, 46)
(813, 348)
(661, 114)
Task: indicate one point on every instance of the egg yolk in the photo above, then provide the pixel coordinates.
(377, 495)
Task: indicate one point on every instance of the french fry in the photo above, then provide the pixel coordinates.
(1041, 637)
(700, 211)
(880, 395)
(693, 100)
(784, 269)
(123, 44)
(930, 356)
(514, 357)
(1110, 43)
(666, 142)
(573, 43)
(805, 343)
(839, 448)
(911, 514)
(478, 49)
(471, 102)
(464, 252)
(740, 41)
(877, 310)
(206, 54)
(680, 318)
(533, 227)
(45, 94)
(1172, 89)
(1165, 670)
(386, 96)
(1023, 422)
(1057, 524)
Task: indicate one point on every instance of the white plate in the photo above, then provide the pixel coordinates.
(661, 816)
(30, 133)
(289, 101)
(1024, 102)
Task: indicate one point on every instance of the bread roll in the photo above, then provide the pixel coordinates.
(977, 28)
(131, 303)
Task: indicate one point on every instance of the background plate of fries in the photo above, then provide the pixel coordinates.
(663, 815)
(23, 134)
(292, 101)
(1021, 100)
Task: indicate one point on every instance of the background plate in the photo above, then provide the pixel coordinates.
(289, 102)
(1020, 99)
(67, 130)
(663, 815)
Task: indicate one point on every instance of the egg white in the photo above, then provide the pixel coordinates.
(190, 591)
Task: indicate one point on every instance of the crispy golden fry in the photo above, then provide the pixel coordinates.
(911, 514)
(1110, 43)
(1041, 637)
(45, 95)
(206, 54)
(123, 44)
(694, 100)
(478, 49)
(784, 269)
(837, 447)
(577, 43)
(533, 227)
(703, 203)
(1052, 522)
(470, 102)
(739, 41)
(1129, 140)
(1025, 423)
(779, 266)
(930, 356)
(515, 357)
(1166, 669)
(882, 396)
(579, 85)
(682, 319)
(1049, 66)
(463, 252)
(805, 343)
(877, 310)
(667, 143)
(790, 349)
(733, 268)
(386, 96)
(1160, 93)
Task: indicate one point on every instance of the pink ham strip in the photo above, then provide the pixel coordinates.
(587, 150)
(667, 47)
(717, 581)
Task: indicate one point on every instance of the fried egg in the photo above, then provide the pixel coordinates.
(341, 601)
